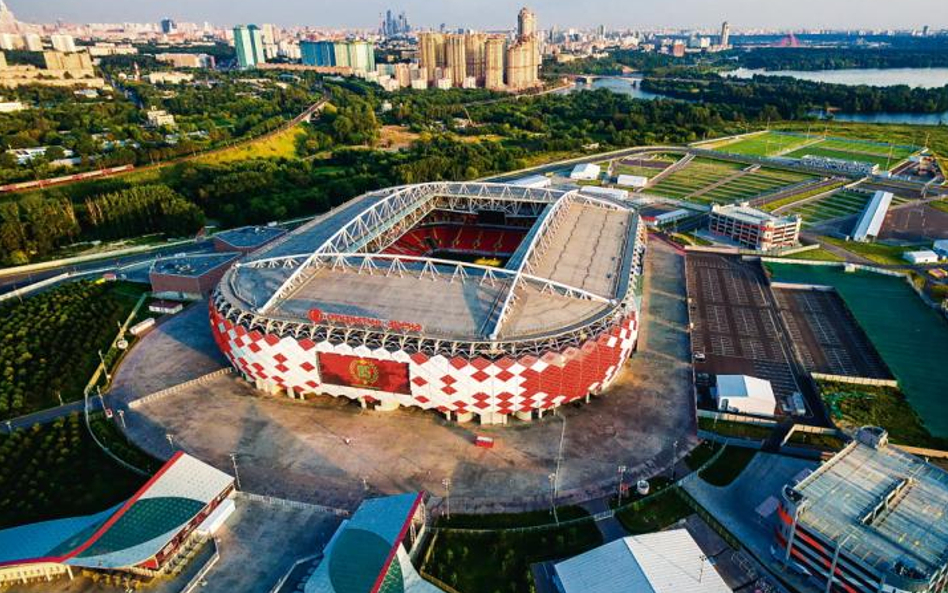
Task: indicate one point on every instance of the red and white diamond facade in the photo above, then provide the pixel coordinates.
(473, 299)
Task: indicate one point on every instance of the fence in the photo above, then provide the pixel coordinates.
(95, 379)
(295, 504)
(176, 388)
(855, 380)
(282, 580)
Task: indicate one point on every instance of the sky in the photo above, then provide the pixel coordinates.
(501, 14)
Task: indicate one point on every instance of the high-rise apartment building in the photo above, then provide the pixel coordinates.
(63, 43)
(494, 62)
(168, 26)
(318, 53)
(33, 42)
(358, 55)
(431, 54)
(526, 23)
(475, 50)
(725, 35)
(455, 54)
(248, 42)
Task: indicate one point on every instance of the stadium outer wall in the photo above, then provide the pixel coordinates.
(459, 387)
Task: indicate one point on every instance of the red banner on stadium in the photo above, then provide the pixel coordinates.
(367, 373)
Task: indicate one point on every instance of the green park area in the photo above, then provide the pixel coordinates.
(50, 342)
(56, 471)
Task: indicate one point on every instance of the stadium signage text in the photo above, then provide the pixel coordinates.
(317, 316)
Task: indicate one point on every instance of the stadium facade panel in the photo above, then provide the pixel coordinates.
(483, 300)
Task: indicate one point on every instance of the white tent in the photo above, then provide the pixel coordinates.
(585, 172)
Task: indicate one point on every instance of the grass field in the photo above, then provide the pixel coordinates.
(815, 255)
(766, 144)
(736, 185)
(649, 172)
(843, 203)
(874, 252)
(799, 197)
(726, 468)
(654, 513)
(280, 145)
(884, 155)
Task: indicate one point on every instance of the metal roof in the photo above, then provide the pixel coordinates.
(191, 266)
(364, 551)
(127, 534)
(250, 236)
(871, 219)
(663, 562)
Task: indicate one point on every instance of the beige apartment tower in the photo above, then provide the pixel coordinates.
(494, 62)
(455, 52)
(431, 54)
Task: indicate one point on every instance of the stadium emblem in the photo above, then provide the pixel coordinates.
(364, 372)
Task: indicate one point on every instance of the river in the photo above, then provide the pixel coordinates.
(626, 85)
(919, 78)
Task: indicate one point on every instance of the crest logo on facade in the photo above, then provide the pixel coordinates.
(364, 372)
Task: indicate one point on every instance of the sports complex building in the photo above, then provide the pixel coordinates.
(473, 299)
(149, 535)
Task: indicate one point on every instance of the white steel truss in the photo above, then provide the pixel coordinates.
(378, 222)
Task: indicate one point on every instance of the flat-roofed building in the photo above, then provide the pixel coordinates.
(246, 239)
(585, 172)
(872, 516)
(754, 228)
(189, 277)
(742, 394)
(664, 562)
(870, 221)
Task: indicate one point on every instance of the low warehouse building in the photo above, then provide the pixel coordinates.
(924, 256)
(585, 172)
(635, 181)
(189, 277)
(534, 181)
(742, 394)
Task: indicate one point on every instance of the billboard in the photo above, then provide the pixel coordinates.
(365, 373)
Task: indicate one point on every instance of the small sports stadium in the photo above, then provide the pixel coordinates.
(482, 300)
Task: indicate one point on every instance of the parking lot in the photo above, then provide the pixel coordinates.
(826, 336)
(298, 450)
(736, 328)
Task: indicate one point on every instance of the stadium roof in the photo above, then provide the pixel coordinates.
(881, 504)
(663, 562)
(127, 534)
(573, 268)
(366, 555)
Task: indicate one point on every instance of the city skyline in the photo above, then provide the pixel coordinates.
(744, 14)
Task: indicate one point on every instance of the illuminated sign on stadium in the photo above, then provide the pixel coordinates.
(367, 373)
(317, 316)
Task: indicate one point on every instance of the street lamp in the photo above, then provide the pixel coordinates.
(170, 438)
(447, 486)
(552, 478)
(233, 460)
(105, 368)
(674, 460)
(121, 414)
(622, 470)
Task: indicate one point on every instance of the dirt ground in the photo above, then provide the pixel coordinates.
(298, 450)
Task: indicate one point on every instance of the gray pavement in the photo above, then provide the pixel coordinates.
(296, 450)
(178, 349)
(736, 506)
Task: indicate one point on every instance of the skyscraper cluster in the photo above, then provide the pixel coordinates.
(470, 60)
(393, 26)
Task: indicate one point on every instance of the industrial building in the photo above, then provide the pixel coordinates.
(923, 256)
(663, 562)
(146, 535)
(754, 229)
(872, 516)
(189, 277)
(477, 300)
(870, 221)
(372, 551)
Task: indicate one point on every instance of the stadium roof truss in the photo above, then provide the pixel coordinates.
(355, 247)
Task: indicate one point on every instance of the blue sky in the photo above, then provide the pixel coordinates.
(498, 14)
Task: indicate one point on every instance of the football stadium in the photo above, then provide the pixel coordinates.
(472, 299)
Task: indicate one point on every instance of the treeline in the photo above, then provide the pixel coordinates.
(772, 58)
(770, 97)
(37, 224)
